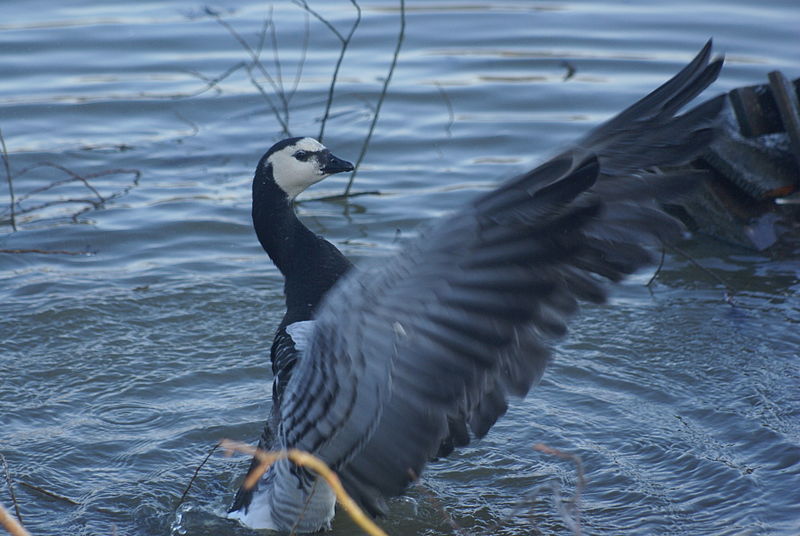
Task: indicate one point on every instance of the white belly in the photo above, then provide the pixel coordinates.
(280, 503)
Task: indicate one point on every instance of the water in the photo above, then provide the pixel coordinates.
(121, 368)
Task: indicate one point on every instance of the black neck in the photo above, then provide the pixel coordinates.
(309, 264)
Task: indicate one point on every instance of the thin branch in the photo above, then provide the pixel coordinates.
(269, 25)
(10, 182)
(345, 43)
(336, 197)
(276, 58)
(44, 491)
(194, 126)
(44, 252)
(256, 63)
(307, 502)
(10, 483)
(364, 147)
(211, 82)
(275, 112)
(74, 177)
(570, 70)
(437, 504)
(92, 203)
(574, 521)
(451, 115)
(729, 291)
(76, 201)
(303, 55)
(660, 265)
(304, 459)
(262, 35)
(194, 476)
(304, 4)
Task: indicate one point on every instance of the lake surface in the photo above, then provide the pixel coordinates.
(121, 367)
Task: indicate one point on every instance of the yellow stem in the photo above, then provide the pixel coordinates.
(304, 459)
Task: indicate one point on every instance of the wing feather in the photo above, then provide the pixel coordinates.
(411, 356)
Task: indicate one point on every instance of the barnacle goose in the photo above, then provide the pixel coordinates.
(382, 367)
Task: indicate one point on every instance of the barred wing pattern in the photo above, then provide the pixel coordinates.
(411, 354)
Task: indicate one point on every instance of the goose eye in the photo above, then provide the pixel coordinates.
(301, 155)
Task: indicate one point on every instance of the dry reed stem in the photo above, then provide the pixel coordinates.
(10, 524)
(304, 459)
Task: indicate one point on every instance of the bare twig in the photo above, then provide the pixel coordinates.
(345, 41)
(434, 500)
(11, 201)
(93, 203)
(273, 35)
(245, 45)
(10, 483)
(573, 522)
(75, 177)
(296, 524)
(275, 112)
(660, 265)
(304, 459)
(304, 4)
(194, 476)
(256, 63)
(211, 82)
(10, 524)
(49, 493)
(269, 25)
(382, 96)
(570, 70)
(337, 197)
(262, 36)
(729, 291)
(195, 128)
(45, 252)
(302, 61)
(451, 116)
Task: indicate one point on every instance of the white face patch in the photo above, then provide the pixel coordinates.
(294, 175)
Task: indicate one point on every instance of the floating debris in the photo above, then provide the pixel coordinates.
(753, 198)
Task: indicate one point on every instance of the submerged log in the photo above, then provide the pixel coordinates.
(753, 198)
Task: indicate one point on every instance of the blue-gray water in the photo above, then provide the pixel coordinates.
(121, 368)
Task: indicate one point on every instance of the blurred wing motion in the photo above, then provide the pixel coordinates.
(414, 355)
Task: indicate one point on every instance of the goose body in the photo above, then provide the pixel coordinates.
(382, 367)
(310, 266)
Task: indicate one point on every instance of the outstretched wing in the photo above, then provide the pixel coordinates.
(429, 344)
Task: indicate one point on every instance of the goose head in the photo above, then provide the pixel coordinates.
(294, 164)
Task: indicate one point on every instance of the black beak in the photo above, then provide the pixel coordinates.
(336, 165)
